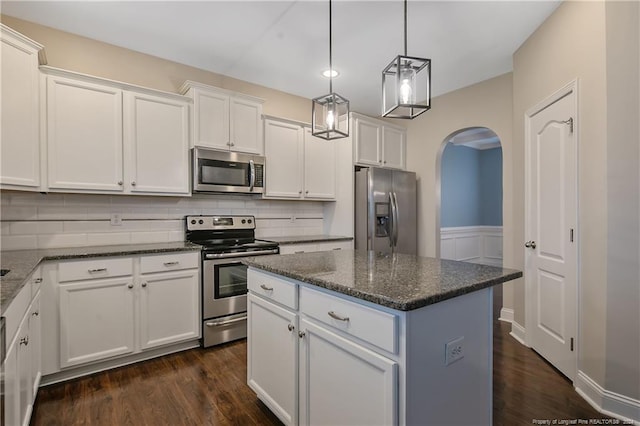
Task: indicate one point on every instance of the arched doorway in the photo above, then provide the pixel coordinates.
(470, 182)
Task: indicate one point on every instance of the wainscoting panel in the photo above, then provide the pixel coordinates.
(477, 244)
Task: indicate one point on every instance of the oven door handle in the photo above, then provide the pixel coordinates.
(226, 322)
(239, 254)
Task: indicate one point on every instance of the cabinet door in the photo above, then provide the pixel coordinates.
(96, 320)
(156, 144)
(18, 396)
(35, 343)
(319, 167)
(246, 126)
(272, 357)
(211, 119)
(393, 145)
(84, 135)
(342, 383)
(368, 142)
(283, 149)
(169, 308)
(20, 122)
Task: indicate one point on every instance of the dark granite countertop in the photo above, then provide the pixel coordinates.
(305, 239)
(402, 282)
(21, 263)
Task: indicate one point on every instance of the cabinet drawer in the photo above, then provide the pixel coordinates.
(334, 245)
(273, 288)
(169, 262)
(95, 268)
(297, 248)
(376, 327)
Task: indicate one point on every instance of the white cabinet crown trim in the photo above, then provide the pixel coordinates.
(189, 84)
(42, 57)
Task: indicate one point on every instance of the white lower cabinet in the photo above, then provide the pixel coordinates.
(309, 373)
(128, 305)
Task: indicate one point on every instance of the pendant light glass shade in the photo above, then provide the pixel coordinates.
(406, 84)
(330, 113)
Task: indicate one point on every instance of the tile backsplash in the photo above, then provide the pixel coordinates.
(34, 220)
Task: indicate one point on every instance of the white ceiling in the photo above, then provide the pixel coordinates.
(284, 44)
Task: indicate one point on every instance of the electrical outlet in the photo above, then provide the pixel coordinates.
(116, 219)
(454, 350)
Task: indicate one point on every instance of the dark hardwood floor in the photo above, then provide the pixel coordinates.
(208, 387)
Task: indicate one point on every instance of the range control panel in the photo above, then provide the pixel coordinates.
(204, 223)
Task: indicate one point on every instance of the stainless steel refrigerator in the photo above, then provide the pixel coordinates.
(385, 211)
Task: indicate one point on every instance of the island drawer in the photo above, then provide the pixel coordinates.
(273, 288)
(95, 268)
(169, 262)
(371, 325)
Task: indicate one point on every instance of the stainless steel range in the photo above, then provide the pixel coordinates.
(225, 240)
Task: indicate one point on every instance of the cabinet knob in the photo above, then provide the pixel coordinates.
(232, 144)
(144, 284)
(120, 182)
(38, 280)
(130, 285)
(291, 327)
(301, 334)
(133, 183)
(24, 340)
(35, 314)
(384, 162)
(300, 192)
(306, 192)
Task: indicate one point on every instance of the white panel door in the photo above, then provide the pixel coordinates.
(319, 167)
(246, 126)
(342, 383)
(368, 142)
(169, 308)
(283, 150)
(96, 320)
(211, 120)
(84, 135)
(393, 147)
(272, 357)
(551, 217)
(20, 123)
(156, 144)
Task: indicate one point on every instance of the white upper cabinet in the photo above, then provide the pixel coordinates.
(225, 120)
(108, 137)
(378, 143)
(84, 135)
(20, 123)
(299, 165)
(156, 140)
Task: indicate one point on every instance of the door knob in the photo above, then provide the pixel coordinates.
(530, 244)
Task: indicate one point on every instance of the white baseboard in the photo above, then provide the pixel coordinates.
(506, 315)
(606, 402)
(519, 333)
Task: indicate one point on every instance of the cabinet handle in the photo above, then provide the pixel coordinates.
(144, 284)
(291, 327)
(35, 314)
(95, 271)
(298, 252)
(338, 248)
(120, 182)
(38, 280)
(264, 287)
(171, 263)
(129, 285)
(24, 340)
(133, 183)
(337, 317)
(301, 334)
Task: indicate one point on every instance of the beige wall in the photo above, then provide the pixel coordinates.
(75, 53)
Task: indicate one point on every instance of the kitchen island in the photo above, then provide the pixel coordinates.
(350, 337)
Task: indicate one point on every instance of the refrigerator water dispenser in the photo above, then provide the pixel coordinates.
(382, 219)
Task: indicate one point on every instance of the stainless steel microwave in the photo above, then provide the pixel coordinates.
(223, 171)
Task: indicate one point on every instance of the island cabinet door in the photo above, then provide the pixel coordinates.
(342, 383)
(272, 357)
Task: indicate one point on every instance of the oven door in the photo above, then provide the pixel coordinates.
(224, 288)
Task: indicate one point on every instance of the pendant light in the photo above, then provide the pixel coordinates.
(330, 113)
(406, 84)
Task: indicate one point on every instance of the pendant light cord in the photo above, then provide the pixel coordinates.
(405, 28)
(330, 53)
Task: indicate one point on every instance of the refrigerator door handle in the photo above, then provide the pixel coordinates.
(394, 220)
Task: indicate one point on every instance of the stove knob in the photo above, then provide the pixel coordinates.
(244, 221)
(193, 221)
(249, 220)
(201, 221)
